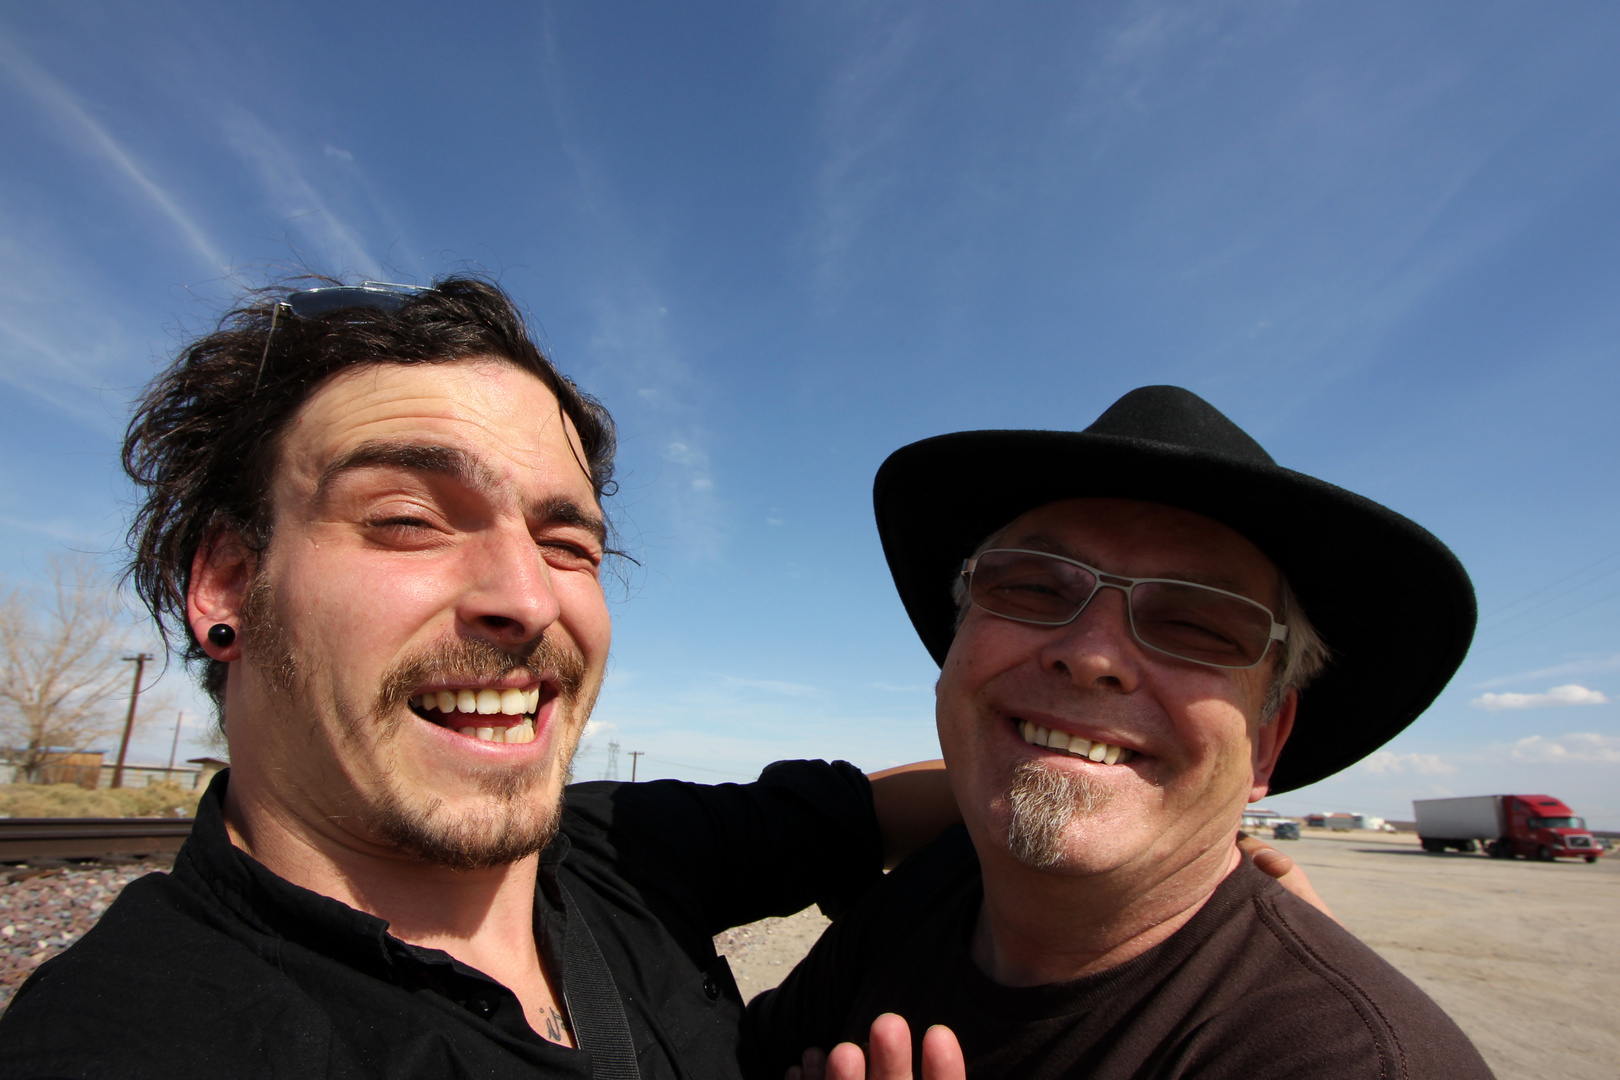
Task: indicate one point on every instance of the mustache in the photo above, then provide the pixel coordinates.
(474, 660)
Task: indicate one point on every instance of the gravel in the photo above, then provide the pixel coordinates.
(44, 909)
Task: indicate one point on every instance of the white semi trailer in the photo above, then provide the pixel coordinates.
(1534, 826)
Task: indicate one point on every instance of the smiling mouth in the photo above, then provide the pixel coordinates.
(483, 713)
(1074, 745)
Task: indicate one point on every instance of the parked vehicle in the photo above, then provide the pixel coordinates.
(1534, 826)
(1285, 830)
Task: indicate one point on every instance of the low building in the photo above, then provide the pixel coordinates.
(1258, 817)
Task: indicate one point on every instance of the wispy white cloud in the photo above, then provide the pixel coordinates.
(1387, 761)
(74, 121)
(339, 245)
(1581, 747)
(772, 686)
(1569, 694)
(1583, 666)
(631, 344)
(869, 107)
(61, 343)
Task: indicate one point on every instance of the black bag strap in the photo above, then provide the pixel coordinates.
(594, 1007)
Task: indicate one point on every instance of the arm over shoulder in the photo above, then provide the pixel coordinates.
(803, 833)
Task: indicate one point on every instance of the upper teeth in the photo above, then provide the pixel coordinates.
(1105, 753)
(488, 702)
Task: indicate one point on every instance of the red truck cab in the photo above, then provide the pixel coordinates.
(1541, 827)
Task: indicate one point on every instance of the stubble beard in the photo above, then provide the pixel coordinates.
(1043, 802)
(507, 826)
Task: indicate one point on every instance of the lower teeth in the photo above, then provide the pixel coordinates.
(517, 733)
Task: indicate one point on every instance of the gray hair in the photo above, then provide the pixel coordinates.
(1304, 654)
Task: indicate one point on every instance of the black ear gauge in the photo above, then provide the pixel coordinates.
(222, 635)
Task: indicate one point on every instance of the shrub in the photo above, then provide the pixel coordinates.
(70, 800)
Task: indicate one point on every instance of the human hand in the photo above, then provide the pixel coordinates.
(1281, 867)
(890, 1048)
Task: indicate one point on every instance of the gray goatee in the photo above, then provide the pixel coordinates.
(1043, 802)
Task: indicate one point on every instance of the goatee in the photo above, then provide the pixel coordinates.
(1043, 801)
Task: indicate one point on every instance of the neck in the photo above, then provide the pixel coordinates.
(1044, 926)
(423, 904)
(484, 918)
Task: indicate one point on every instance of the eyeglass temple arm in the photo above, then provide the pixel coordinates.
(275, 313)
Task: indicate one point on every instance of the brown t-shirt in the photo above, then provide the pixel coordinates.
(1257, 985)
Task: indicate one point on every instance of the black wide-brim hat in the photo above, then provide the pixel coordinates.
(1392, 603)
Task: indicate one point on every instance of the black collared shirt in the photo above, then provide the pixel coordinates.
(223, 969)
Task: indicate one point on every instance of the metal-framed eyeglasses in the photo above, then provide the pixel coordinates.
(1183, 619)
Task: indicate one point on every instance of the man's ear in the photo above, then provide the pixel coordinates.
(1268, 744)
(220, 573)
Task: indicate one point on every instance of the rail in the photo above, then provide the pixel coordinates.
(88, 838)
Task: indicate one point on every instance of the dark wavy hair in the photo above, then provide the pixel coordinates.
(204, 441)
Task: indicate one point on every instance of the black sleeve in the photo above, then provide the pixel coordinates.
(821, 1001)
(710, 857)
(811, 1007)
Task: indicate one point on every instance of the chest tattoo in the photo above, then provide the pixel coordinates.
(556, 1025)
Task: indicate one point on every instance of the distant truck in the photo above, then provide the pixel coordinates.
(1535, 826)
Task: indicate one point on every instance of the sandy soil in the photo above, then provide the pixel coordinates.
(1525, 956)
(761, 954)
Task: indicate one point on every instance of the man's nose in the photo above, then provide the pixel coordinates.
(510, 599)
(1097, 650)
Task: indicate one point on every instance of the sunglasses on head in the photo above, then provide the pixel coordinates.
(317, 303)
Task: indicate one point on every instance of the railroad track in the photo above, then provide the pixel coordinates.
(87, 838)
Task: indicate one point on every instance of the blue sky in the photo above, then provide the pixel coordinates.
(780, 240)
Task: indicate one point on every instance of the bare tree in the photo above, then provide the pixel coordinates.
(64, 678)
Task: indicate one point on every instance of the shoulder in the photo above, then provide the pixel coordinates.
(153, 989)
(1301, 992)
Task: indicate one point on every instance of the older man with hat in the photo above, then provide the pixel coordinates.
(1142, 627)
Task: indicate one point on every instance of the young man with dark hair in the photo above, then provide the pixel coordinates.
(373, 514)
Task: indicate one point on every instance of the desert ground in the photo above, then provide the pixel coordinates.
(1524, 955)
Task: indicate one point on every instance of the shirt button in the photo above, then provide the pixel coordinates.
(482, 1007)
(711, 989)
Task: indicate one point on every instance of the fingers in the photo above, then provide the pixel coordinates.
(846, 1062)
(1272, 861)
(890, 1048)
(890, 1056)
(1264, 856)
(942, 1055)
(1288, 875)
(812, 1065)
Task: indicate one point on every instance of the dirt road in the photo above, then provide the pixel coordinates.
(1525, 956)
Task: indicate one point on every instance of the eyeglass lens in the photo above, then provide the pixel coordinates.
(313, 303)
(1189, 621)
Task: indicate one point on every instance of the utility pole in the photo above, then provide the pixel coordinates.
(634, 754)
(140, 660)
(174, 748)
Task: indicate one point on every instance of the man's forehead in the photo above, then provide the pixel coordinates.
(483, 420)
(1199, 548)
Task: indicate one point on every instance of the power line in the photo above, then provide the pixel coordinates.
(1499, 617)
(1550, 622)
